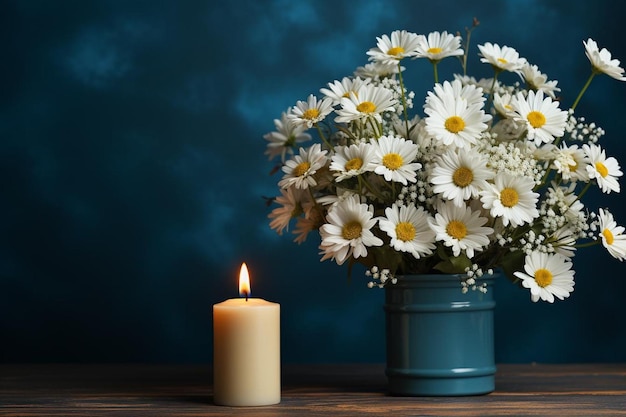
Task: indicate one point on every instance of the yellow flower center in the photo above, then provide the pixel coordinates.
(310, 114)
(405, 231)
(392, 161)
(574, 166)
(395, 51)
(602, 169)
(351, 230)
(502, 61)
(543, 277)
(366, 107)
(456, 229)
(455, 124)
(301, 169)
(608, 236)
(462, 177)
(434, 50)
(354, 163)
(536, 119)
(509, 197)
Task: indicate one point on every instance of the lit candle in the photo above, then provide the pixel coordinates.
(246, 349)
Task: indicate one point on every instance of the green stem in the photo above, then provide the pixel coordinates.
(323, 137)
(312, 196)
(544, 180)
(435, 71)
(360, 127)
(375, 127)
(367, 185)
(557, 141)
(467, 44)
(584, 190)
(465, 54)
(493, 86)
(588, 244)
(519, 232)
(580, 95)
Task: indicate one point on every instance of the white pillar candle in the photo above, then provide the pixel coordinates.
(246, 349)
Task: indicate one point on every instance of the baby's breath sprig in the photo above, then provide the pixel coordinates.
(488, 172)
(473, 274)
(380, 277)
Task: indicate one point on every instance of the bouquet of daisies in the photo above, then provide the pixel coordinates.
(489, 175)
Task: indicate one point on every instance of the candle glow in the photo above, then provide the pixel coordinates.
(246, 349)
(244, 281)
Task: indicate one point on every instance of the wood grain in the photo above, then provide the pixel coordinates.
(308, 390)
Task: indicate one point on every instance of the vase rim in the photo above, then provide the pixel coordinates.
(442, 279)
(443, 276)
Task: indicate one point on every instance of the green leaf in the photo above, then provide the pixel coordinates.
(454, 264)
(512, 262)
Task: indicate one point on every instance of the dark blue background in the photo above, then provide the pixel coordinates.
(132, 173)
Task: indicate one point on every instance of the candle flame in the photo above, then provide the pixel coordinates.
(244, 281)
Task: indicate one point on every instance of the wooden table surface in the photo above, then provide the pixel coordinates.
(308, 390)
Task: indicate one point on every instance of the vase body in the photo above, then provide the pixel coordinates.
(440, 341)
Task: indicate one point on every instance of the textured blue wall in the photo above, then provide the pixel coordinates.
(132, 174)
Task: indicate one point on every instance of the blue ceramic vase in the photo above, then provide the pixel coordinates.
(440, 342)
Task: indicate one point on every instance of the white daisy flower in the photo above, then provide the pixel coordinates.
(536, 80)
(410, 130)
(543, 153)
(377, 70)
(369, 102)
(511, 198)
(543, 119)
(339, 196)
(487, 84)
(438, 46)
(402, 44)
(502, 105)
(340, 89)
(571, 162)
(393, 159)
(311, 112)
(451, 120)
(294, 203)
(460, 175)
(460, 228)
(502, 58)
(602, 62)
(409, 230)
(353, 160)
(287, 135)
(307, 224)
(347, 232)
(547, 276)
(300, 170)
(569, 203)
(563, 241)
(604, 170)
(613, 237)
(473, 94)
(507, 130)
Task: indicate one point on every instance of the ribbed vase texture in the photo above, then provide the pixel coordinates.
(440, 341)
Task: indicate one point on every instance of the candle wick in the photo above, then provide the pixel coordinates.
(246, 293)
